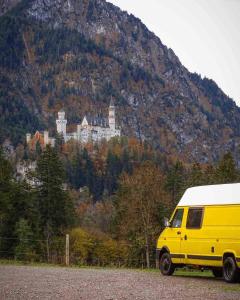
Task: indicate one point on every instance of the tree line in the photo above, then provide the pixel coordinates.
(111, 198)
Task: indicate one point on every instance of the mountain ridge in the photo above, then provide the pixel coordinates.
(77, 54)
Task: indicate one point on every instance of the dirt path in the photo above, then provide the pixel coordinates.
(25, 282)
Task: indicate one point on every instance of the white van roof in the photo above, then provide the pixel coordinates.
(211, 195)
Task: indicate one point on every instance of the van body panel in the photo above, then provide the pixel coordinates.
(217, 234)
(172, 239)
(173, 243)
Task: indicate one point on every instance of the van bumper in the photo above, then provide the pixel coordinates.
(158, 252)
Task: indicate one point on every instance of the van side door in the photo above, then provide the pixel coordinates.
(194, 242)
(172, 235)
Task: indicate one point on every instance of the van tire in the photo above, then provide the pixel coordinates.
(166, 266)
(217, 272)
(230, 270)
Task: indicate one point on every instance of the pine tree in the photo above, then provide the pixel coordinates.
(77, 173)
(226, 171)
(175, 183)
(195, 176)
(25, 247)
(93, 181)
(16, 201)
(5, 170)
(6, 189)
(113, 171)
(89, 171)
(126, 163)
(56, 208)
(209, 175)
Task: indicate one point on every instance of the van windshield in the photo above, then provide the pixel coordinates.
(177, 219)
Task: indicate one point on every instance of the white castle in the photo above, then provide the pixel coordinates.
(91, 129)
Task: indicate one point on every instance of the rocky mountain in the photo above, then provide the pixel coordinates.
(6, 5)
(76, 54)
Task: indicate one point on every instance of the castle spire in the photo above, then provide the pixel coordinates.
(111, 115)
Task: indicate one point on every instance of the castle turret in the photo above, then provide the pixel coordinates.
(111, 116)
(52, 142)
(46, 138)
(61, 123)
(85, 122)
(28, 137)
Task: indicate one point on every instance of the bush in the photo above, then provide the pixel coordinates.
(81, 246)
(96, 249)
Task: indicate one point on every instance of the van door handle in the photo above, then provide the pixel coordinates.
(178, 232)
(185, 237)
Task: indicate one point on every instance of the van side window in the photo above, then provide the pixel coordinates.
(194, 218)
(177, 219)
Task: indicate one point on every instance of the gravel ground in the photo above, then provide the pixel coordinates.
(26, 282)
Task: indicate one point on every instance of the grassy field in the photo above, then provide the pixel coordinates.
(235, 288)
(198, 273)
(178, 272)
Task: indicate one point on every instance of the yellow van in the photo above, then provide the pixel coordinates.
(204, 231)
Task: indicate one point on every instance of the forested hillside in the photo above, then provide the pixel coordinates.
(111, 198)
(76, 54)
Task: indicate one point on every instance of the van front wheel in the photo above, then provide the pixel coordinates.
(230, 270)
(166, 266)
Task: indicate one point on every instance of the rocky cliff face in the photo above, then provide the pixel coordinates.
(6, 5)
(76, 54)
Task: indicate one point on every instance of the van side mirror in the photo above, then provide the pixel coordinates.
(166, 222)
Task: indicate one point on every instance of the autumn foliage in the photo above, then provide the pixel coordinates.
(110, 197)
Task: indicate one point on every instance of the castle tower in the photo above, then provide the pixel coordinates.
(28, 138)
(52, 142)
(111, 116)
(61, 123)
(46, 138)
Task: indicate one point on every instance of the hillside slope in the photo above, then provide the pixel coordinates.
(76, 54)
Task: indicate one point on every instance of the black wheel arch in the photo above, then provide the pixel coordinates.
(164, 250)
(159, 253)
(229, 254)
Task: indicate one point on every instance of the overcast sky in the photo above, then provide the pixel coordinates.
(204, 34)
